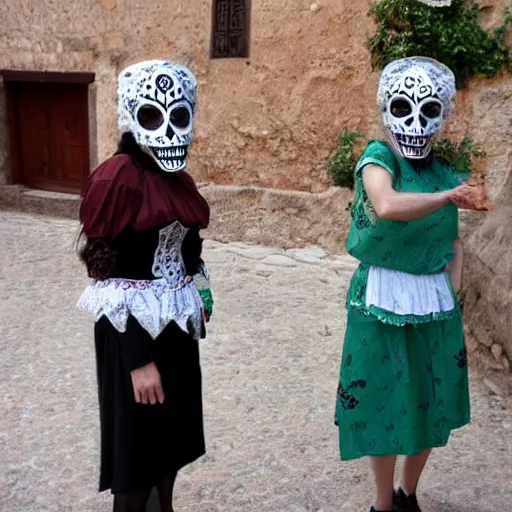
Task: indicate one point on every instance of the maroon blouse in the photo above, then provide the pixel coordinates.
(120, 196)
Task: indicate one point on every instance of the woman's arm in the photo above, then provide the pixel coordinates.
(392, 205)
(456, 266)
(406, 206)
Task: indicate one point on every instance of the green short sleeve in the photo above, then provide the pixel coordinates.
(454, 179)
(378, 153)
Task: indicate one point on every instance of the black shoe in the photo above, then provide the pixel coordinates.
(374, 510)
(404, 503)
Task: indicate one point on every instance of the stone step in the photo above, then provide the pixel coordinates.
(42, 202)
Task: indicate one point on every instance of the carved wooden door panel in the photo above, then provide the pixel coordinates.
(53, 135)
(34, 135)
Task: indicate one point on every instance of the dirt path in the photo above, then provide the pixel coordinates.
(270, 368)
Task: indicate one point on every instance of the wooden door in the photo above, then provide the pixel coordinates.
(52, 135)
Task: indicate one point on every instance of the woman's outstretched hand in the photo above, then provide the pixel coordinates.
(147, 385)
(471, 197)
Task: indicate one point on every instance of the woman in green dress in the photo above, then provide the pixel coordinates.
(403, 383)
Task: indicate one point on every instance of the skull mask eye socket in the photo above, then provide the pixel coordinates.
(432, 109)
(400, 108)
(150, 117)
(180, 117)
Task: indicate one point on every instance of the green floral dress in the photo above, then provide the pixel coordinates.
(403, 381)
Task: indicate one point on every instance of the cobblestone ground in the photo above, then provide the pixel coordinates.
(270, 372)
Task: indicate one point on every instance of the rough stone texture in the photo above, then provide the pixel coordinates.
(286, 219)
(489, 291)
(270, 367)
(271, 121)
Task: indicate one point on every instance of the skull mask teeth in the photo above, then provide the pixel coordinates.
(416, 95)
(156, 104)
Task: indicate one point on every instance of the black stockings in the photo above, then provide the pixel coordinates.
(131, 502)
(137, 501)
(165, 490)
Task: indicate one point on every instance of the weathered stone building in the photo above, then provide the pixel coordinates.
(266, 122)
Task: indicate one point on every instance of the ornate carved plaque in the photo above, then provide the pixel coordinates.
(230, 30)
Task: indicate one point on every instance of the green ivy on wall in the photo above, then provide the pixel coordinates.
(343, 161)
(461, 156)
(451, 35)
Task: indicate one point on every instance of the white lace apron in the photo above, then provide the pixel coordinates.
(408, 294)
(171, 297)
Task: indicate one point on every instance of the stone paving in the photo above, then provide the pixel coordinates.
(270, 368)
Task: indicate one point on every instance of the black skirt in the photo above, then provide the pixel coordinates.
(142, 444)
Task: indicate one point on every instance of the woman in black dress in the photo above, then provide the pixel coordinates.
(150, 297)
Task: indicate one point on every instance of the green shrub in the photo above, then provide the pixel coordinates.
(451, 35)
(461, 155)
(343, 161)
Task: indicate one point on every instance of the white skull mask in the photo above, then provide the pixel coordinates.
(156, 101)
(416, 95)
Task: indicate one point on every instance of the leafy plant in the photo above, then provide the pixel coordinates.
(451, 35)
(461, 155)
(343, 161)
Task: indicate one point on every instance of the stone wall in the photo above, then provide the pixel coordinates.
(489, 294)
(271, 121)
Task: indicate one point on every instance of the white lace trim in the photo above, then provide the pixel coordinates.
(437, 3)
(154, 303)
(408, 294)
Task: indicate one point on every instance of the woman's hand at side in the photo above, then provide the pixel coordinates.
(147, 385)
